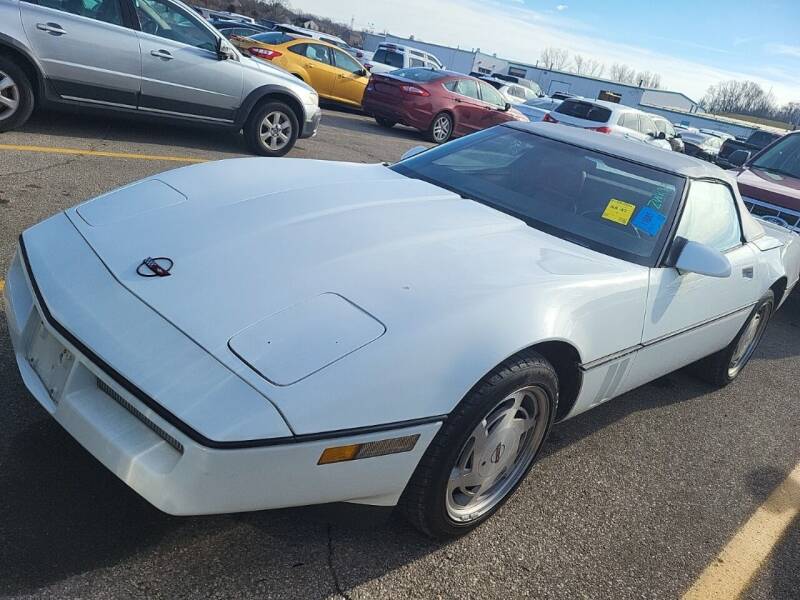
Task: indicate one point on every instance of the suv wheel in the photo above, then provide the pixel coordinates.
(16, 96)
(272, 129)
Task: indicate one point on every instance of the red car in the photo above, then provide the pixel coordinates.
(442, 104)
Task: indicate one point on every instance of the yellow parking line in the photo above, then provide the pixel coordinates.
(81, 152)
(2, 284)
(734, 568)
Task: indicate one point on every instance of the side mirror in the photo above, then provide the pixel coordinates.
(224, 51)
(413, 152)
(739, 157)
(694, 257)
(361, 73)
(506, 107)
(661, 135)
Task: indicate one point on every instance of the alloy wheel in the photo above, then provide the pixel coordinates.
(9, 96)
(441, 128)
(275, 130)
(497, 454)
(749, 340)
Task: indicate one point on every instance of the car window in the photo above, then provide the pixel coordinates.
(584, 110)
(606, 203)
(782, 159)
(108, 11)
(319, 53)
(670, 130)
(661, 126)
(298, 49)
(647, 125)
(173, 23)
(386, 57)
(343, 61)
(467, 87)
(710, 216)
(415, 62)
(416, 74)
(275, 37)
(491, 95)
(629, 121)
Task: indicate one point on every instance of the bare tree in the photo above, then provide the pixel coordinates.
(740, 97)
(587, 66)
(622, 73)
(648, 79)
(554, 59)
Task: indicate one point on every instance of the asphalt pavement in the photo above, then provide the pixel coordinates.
(631, 500)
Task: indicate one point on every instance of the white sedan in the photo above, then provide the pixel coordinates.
(256, 333)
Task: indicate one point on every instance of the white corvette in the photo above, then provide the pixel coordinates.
(259, 333)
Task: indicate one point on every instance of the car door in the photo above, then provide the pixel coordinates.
(629, 121)
(318, 63)
(350, 82)
(467, 106)
(87, 49)
(181, 72)
(690, 316)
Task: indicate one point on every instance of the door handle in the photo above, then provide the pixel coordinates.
(458, 99)
(51, 28)
(161, 54)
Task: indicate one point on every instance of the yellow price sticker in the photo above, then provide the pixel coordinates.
(619, 211)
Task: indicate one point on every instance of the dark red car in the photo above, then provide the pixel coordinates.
(442, 104)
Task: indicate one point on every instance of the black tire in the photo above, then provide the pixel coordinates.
(383, 122)
(22, 92)
(252, 128)
(719, 369)
(424, 502)
(433, 135)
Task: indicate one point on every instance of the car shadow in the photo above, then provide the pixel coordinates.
(99, 129)
(351, 120)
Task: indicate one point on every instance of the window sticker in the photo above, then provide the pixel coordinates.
(619, 211)
(648, 220)
(658, 197)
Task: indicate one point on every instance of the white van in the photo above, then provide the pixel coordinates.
(389, 57)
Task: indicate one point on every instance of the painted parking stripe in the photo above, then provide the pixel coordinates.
(103, 153)
(2, 284)
(732, 571)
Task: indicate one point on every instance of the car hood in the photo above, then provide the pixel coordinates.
(250, 238)
(770, 187)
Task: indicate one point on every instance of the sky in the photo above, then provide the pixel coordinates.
(692, 44)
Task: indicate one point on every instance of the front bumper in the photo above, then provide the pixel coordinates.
(311, 124)
(170, 467)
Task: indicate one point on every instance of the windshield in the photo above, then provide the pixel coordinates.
(387, 57)
(594, 200)
(782, 158)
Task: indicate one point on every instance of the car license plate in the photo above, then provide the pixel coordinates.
(50, 360)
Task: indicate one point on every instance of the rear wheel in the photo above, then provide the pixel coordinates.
(441, 128)
(722, 367)
(484, 450)
(16, 96)
(272, 129)
(383, 122)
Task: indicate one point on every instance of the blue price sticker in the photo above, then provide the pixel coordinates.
(649, 220)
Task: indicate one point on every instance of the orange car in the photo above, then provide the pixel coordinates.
(331, 71)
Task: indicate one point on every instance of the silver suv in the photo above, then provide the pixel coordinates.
(147, 57)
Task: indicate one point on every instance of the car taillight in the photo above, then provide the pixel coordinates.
(548, 119)
(414, 90)
(602, 129)
(264, 53)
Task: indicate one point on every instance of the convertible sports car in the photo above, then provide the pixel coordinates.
(256, 333)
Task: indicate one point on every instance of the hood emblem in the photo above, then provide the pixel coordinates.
(155, 267)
